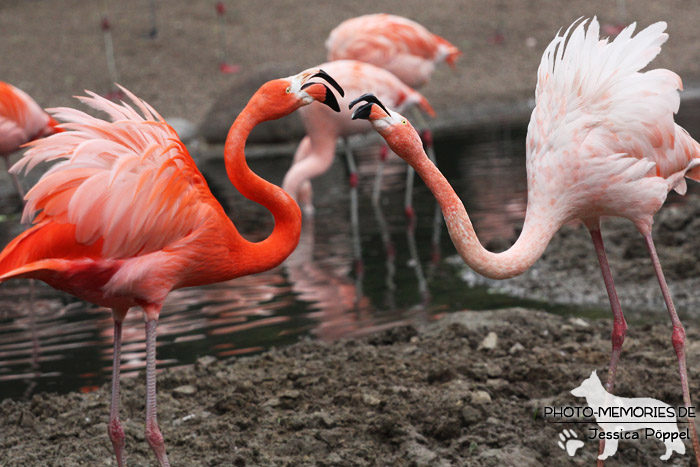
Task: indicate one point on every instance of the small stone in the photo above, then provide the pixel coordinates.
(370, 400)
(290, 394)
(480, 397)
(497, 383)
(323, 419)
(274, 402)
(186, 390)
(490, 341)
(580, 322)
(205, 361)
(516, 348)
(470, 415)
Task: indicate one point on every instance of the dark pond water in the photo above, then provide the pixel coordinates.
(318, 292)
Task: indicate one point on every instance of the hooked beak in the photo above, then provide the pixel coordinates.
(365, 110)
(321, 92)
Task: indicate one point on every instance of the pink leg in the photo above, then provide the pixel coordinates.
(116, 433)
(153, 435)
(619, 323)
(678, 339)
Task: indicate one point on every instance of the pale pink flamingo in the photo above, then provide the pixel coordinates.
(398, 44)
(405, 48)
(125, 217)
(316, 152)
(21, 121)
(601, 142)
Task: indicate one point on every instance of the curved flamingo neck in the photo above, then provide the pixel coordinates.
(533, 240)
(252, 257)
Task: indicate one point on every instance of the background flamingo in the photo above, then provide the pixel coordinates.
(402, 46)
(316, 152)
(394, 43)
(127, 217)
(409, 51)
(601, 142)
(21, 121)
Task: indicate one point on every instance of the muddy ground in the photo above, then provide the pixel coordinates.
(569, 272)
(436, 395)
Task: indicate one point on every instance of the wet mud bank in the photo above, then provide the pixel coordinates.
(468, 389)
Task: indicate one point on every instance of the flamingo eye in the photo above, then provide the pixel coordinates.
(289, 89)
(404, 122)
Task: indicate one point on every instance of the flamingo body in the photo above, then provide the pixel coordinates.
(106, 245)
(392, 42)
(316, 151)
(602, 140)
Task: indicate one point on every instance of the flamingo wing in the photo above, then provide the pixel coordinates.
(592, 98)
(117, 182)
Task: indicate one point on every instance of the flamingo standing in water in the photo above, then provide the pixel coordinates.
(126, 216)
(21, 121)
(601, 142)
(409, 51)
(316, 152)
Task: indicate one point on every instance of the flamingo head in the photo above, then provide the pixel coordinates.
(51, 127)
(283, 96)
(398, 132)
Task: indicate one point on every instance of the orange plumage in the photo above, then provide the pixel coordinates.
(124, 216)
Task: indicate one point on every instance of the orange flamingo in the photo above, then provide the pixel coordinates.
(21, 121)
(126, 216)
(601, 142)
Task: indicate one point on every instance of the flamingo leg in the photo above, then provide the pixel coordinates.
(354, 215)
(116, 433)
(416, 265)
(619, 323)
(677, 337)
(389, 251)
(153, 434)
(377, 187)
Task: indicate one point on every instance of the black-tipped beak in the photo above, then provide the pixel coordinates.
(329, 99)
(370, 98)
(323, 75)
(363, 111)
